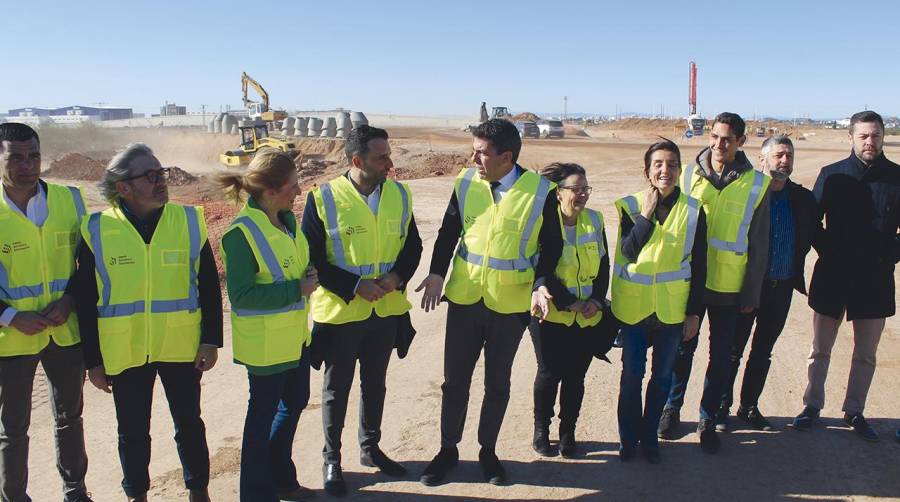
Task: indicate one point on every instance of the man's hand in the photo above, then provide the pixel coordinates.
(30, 323)
(57, 312)
(577, 307)
(207, 355)
(540, 303)
(433, 284)
(389, 282)
(97, 376)
(369, 290)
(309, 283)
(651, 199)
(591, 307)
(691, 327)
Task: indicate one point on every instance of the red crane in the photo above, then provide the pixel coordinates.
(692, 89)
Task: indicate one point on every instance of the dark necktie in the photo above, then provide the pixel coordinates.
(494, 186)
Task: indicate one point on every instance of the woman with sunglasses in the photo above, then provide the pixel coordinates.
(659, 277)
(269, 281)
(567, 310)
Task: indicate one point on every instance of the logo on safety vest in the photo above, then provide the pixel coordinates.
(121, 260)
(15, 246)
(470, 219)
(358, 229)
(287, 262)
(7, 249)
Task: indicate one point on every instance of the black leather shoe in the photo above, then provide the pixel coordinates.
(568, 447)
(541, 442)
(493, 470)
(333, 480)
(804, 421)
(626, 453)
(721, 420)
(376, 458)
(709, 440)
(753, 416)
(440, 465)
(668, 423)
(859, 424)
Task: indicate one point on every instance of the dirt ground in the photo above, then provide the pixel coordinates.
(829, 463)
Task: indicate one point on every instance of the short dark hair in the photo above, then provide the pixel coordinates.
(358, 141)
(866, 116)
(558, 171)
(734, 120)
(15, 131)
(502, 134)
(664, 144)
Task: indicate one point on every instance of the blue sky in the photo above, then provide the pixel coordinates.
(822, 59)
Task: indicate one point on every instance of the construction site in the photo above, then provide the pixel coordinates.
(428, 153)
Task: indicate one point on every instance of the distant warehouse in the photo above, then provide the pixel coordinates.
(68, 114)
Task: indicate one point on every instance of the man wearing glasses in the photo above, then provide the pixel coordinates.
(37, 257)
(149, 304)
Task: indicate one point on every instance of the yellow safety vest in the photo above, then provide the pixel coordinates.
(498, 249)
(579, 265)
(148, 307)
(728, 215)
(659, 281)
(363, 244)
(270, 337)
(35, 266)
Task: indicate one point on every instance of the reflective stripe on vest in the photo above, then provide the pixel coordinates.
(340, 256)
(268, 255)
(521, 263)
(684, 272)
(740, 245)
(79, 204)
(190, 304)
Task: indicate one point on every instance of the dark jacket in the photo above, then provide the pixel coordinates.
(807, 223)
(860, 243)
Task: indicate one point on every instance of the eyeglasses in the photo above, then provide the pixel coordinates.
(585, 190)
(154, 176)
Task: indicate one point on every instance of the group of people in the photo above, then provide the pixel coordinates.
(132, 292)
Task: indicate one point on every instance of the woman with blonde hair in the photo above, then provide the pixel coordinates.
(269, 280)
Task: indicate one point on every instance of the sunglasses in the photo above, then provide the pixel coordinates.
(154, 176)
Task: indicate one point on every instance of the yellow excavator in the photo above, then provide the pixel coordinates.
(259, 110)
(255, 136)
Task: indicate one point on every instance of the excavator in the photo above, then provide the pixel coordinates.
(259, 110)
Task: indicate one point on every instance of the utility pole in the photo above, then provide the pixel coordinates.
(565, 107)
(203, 111)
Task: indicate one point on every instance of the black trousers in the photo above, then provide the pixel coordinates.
(133, 395)
(563, 355)
(370, 342)
(774, 305)
(471, 328)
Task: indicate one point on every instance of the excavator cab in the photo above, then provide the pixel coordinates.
(500, 112)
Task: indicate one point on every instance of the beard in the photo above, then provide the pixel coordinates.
(778, 175)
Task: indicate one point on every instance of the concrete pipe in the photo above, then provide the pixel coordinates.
(287, 126)
(217, 123)
(301, 124)
(314, 128)
(234, 129)
(358, 119)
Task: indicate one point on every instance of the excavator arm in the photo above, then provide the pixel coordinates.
(247, 80)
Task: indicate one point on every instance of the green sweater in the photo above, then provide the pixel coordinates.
(244, 293)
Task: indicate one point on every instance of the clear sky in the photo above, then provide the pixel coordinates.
(822, 59)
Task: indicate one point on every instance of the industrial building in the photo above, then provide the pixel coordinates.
(69, 114)
(172, 109)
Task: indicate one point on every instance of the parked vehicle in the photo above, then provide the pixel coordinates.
(551, 129)
(528, 129)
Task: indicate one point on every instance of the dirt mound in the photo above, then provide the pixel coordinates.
(424, 165)
(76, 166)
(525, 116)
(179, 177)
(576, 131)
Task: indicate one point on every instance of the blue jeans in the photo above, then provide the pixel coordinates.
(722, 328)
(272, 415)
(636, 339)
